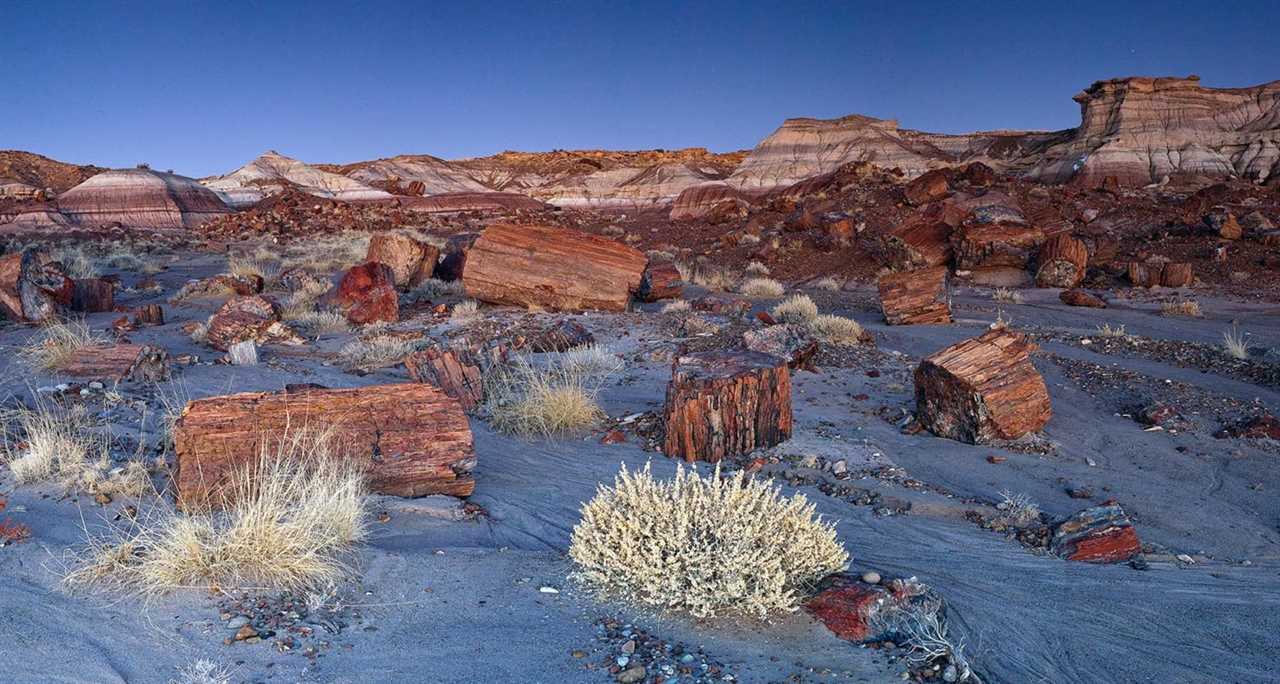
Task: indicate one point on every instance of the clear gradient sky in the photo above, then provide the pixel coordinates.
(202, 87)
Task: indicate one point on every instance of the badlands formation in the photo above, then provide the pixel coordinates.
(863, 404)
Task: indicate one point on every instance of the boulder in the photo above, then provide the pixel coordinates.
(1077, 297)
(1101, 534)
(367, 294)
(411, 260)
(852, 609)
(1224, 225)
(996, 245)
(928, 187)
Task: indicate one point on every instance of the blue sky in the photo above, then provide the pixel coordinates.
(203, 87)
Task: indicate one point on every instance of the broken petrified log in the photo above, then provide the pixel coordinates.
(411, 260)
(849, 607)
(30, 291)
(554, 268)
(254, 318)
(724, 403)
(556, 337)
(458, 369)
(921, 244)
(996, 244)
(982, 389)
(411, 439)
(1143, 275)
(1082, 298)
(661, 280)
(148, 314)
(1062, 262)
(915, 297)
(1101, 534)
(93, 295)
(454, 260)
(929, 187)
(1224, 225)
(1176, 274)
(367, 293)
(791, 343)
(220, 286)
(119, 363)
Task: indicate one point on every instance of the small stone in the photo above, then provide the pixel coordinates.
(237, 622)
(632, 675)
(629, 647)
(839, 467)
(871, 577)
(579, 654)
(245, 633)
(548, 590)
(950, 674)
(102, 498)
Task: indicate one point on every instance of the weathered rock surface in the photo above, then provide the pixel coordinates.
(30, 291)
(412, 439)
(726, 403)
(484, 202)
(143, 198)
(1062, 262)
(435, 175)
(252, 317)
(272, 173)
(554, 268)
(93, 295)
(982, 389)
(457, 369)
(367, 293)
(118, 363)
(1101, 534)
(791, 343)
(915, 297)
(661, 280)
(1082, 298)
(708, 199)
(411, 260)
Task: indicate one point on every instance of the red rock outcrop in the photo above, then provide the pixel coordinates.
(142, 198)
(367, 293)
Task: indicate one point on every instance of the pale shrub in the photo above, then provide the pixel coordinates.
(202, 672)
(52, 348)
(56, 444)
(592, 363)
(830, 284)
(836, 330)
(541, 401)
(1107, 330)
(325, 322)
(1235, 345)
(705, 546)
(465, 311)
(717, 279)
(376, 351)
(268, 267)
(761, 287)
(797, 308)
(678, 306)
(1189, 308)
(292, 518)
(76, 263)
(1017, 510)
(434, 288)
(1007, 296)
(757, 269)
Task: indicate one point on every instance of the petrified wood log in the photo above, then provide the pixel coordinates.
(1082, 298)
(1062, 262)
(1142, 275)
(915, 297)
(1101, 534)
(248, 318)
(411, 438)
(725, 403)
(922, 245)
(661, 280)
(554, 268)
(148, 314)
(556, 337)
(119, 363)
(411, 261)
(367, 294)
(458, 369)
(982, 389)
(994, 246)
(454, 260)
(1224, 225)
(30, 291)
(927, 188)
(791, 343)
(1176, 274)
(93, 295)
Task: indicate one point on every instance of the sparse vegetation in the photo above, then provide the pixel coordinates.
(592, 362)
(922, 628)
(1188, 308)
(1233, 341)
(202, 672)
(56, 343)
(1017, 510)
(465, 311)
(830, 284)
(717, 279)
(543, 401)
(76, 263)
(1006, 296)
(836, 330)
(264, 265)
(677, 306)
(798, 309)
(324, 322)
(703, 545)
(761, 287)
(756, 268)
(1107, 330)
(290, 522)
(376, 351)
(50, 443)
(433, 288)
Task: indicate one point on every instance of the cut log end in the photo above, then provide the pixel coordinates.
(915, 297)
(726, 404)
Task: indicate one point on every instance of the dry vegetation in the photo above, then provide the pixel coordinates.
(800, 310)
(52, 444)
(1188, 308)
(56, 343)
(553, 399)
(705, 546)
(1005, 295)
(761, 287)
(376, 351)
(1234, 343)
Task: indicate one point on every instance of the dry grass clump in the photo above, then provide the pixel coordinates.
(1188, 308)
(677, 306)
(323, 322)
(705, 546)
(1107, 330)
(49, 443)
(434, 288)
(717, 279)
(542, 401)
(202, 672)
(830, 284)
(1007, 296)
(52, 348)
(327, 254)
(836, 330)
(921, 627)
(1235, 345)
(465, 311)
(376, 351)
(266, 265)
(1017, 510)
(289, 522)
(762, 287)
(797, 308)
(593, 363)
(76, 262)
(756, 268)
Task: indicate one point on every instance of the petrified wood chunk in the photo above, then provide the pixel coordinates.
(1082, 298)
(458, 369)
(557, 337)
(1142, 275)
(412, 439)
(1062, 262)
(220, 286)
(995, 246)
(119, 362)
(922, 244)
(454, 260)
(1176, 274)
(554, 268)
(982, 389)
(367, 293)
(791, 343)
(93, 295)
(30, 291)
(915, 297)
(1224, 225)
(661, 280)
(248, 318)
(411, 261)
(148, 314)
(724, 403)
(1101, 534)
(927, 188)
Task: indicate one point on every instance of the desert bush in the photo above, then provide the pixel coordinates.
(54, 345)
(676, 307)
(717, 279)
(202, 672)
(705, 546)
(1189, 308)
(376, 351)
(797, 308)
(593, 363)
(686, 271)
(761, 287)
(756, 268)
(465, 311)
(1007, 296)
(323, 322)
(53, 444)
(836, 330)
(290, 521)
(1017, 510)
(267, 267)
(326, 254)
(434, 288)
(541, 401)
(830, 284)
(1234, 344)
(921, 627)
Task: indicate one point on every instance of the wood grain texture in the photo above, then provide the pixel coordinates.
(725, 403)
(1062, 262)
(118, 363)
(915, 297)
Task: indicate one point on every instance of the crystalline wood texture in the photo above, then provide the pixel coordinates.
(726, 403)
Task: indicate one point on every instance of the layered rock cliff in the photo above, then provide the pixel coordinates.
(141, 197)
(437, 176)
(272, 173)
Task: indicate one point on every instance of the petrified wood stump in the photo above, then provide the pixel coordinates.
(1062, 262)
(119, 363)
(367, 294)
(252, 317)
(554, 268)
(661, 280)
(30, 291)
(921, 245)
(458, 369)
(1176, 274)
(915, 297)
(411, 261)
(93, 295)
(982, 389)
(933, 185)
(725, 403)
(1142, 275)
(411, 438)
(148, 314)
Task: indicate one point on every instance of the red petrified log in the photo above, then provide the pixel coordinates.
(412, 261)
(982, 389)
(148, 314)
(1062, 262)
(1082, 298)
(1101, 534)
(554, 268)
(927, 188)
(30, 291)
(915, 297)
(1176, 275)
(119, 363)
(458, 370)
(367, 293)
(412, 439)
(248, 318)
(922, 244)
(93, 295)
(661, 280)
(723, 403)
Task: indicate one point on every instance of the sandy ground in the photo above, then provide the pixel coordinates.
(461, 601)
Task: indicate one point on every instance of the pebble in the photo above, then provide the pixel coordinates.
(632, 675)
(548, 590)
(871, 577)
(237, 622)
(245, 633)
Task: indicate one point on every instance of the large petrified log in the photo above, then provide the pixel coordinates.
(411, 260)
(1077, 297)
(725, 403)
(915, 297)
(982, 389)
(554, 268)
(254, 317)
(30, 291)
(458, 369)
(1143, 275)
(367, 294)
(93, 295)
(996, 244)
(412, 439)
(118, 363)
(1176, 274)
(661, 280)
(1062, 262)
(921, 244)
